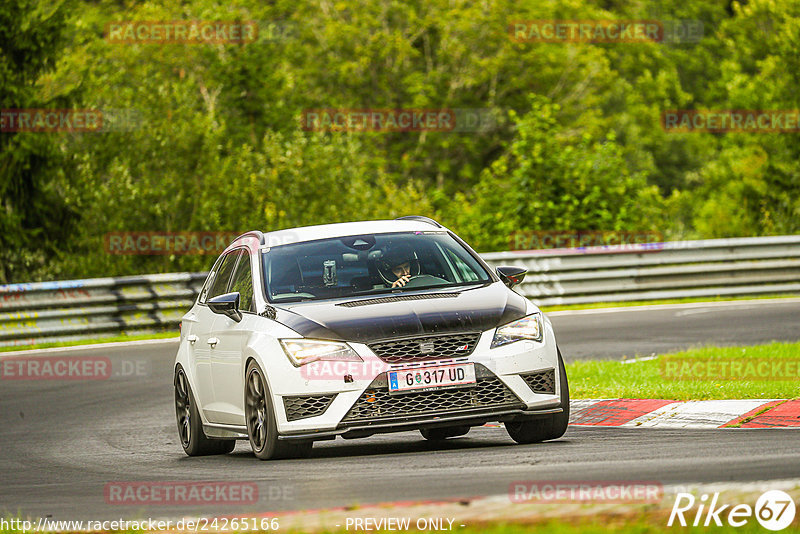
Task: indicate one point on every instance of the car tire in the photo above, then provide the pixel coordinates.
(262, 429)
(190, 426)
(536, 429)
(441, 434)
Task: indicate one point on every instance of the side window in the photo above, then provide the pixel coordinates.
(206, 287)
(220, 283)
(243, 283)
(212, 274)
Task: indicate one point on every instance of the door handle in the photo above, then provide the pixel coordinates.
(213, 341)
(191, 338)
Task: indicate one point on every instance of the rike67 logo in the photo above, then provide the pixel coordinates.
(774, 510)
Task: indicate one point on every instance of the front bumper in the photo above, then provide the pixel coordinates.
(467, 417)
(378, 411)
(376, 405)
(507, 388)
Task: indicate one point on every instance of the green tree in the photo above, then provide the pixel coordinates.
(35, 169)
(752, 187)
(548, 181)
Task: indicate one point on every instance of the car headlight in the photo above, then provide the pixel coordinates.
(529, 327)
(303, 351)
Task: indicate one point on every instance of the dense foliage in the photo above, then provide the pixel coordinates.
(576, 141)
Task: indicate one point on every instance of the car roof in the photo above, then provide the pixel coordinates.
(326, 231)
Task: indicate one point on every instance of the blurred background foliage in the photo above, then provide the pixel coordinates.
(217, 145)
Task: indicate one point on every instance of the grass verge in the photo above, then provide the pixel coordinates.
(696, 374)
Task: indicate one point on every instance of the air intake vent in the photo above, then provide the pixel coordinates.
(542, 381)
(303, 406)
(398, 298)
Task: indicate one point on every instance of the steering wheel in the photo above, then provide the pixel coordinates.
(424, 280)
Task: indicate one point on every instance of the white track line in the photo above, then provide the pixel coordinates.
(697, 414)
(118, 344)
(684, 306)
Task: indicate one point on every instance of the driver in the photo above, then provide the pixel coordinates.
(399, 265)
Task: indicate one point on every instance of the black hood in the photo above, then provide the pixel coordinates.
(408, 313)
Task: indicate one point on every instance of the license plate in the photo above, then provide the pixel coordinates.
(443, 376)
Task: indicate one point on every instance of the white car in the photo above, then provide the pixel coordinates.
(353, 329)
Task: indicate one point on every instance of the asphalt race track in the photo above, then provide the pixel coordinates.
(63, 442)
(598, 334)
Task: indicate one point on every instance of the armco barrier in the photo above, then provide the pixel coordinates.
(82, 309)
(98, 307)
(676, 269)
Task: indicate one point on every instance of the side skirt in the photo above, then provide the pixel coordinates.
(217, 431)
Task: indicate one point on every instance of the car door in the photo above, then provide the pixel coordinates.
(226, 357)
(202, 339)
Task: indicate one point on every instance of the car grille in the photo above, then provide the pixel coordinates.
(303, 406)
(377, 403)
(542, 381)
(424, 348)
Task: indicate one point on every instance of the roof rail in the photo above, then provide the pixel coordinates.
(420, 218)
(256, 233)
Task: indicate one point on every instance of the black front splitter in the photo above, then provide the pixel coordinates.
(368, 428)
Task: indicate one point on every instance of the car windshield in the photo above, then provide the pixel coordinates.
(368, 264)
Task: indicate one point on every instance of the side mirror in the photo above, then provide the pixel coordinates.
(511, 276)
(227, 304)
